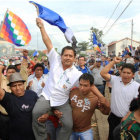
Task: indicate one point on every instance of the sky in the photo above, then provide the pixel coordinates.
(80, 16)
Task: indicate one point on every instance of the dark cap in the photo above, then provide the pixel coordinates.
(15, 77)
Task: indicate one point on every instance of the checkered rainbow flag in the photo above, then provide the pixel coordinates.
(14, 30)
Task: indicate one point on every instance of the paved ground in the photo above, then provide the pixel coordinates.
(99, 123)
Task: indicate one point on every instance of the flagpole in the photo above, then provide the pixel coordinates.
(4, 19)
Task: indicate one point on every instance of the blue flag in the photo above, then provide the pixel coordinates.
(95, 43)
(94, 39)
(100, 45)
(55, 19)
(35, 53)
(51, 17)
(130, 47)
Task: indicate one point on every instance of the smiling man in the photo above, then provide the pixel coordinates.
(124, 89)
(63, 76)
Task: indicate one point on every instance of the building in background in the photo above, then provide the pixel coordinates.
(6, 48)
(116, 47)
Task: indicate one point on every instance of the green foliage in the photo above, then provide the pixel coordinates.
(82, 46)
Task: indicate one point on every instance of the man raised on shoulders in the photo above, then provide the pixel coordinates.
(62, 77)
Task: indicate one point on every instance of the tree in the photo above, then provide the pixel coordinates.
(82, 46)
(98, 33)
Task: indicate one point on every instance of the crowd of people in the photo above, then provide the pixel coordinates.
(54, 98)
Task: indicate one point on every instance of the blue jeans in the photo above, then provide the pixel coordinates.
(51, 130)
(86, 135)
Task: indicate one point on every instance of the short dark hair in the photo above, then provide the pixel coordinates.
(129, 66)
(11, 67)
(81, 57)
(68, 48)
(10, 60)
(38, 65)
(88, 77)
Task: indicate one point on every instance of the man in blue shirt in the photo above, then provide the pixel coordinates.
(82, 65)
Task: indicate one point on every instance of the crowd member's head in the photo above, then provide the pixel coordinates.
(38, 69)
(109, 59)
(85, 82)
(35, 58)
(25, 53)
(10, 61)
(92, 57)
(81, 61)
(103, 58)
(18, 65)
(136, 59)
(46, 62)
(119, 67)
(98, 62)
(16, 84)
(10, 70)
(91, 62)
(68, 55)
(127, 72)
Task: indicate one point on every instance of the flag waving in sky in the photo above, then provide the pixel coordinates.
(54, 19)
(95, 43)
(14, 30)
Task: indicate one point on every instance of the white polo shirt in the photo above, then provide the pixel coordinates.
(59, 82)
(36, 86)
(122, 95)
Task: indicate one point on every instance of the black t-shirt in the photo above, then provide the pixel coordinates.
(19, 110)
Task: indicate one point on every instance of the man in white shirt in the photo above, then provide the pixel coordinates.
(124, 90)
(63, 76)
(36, 81)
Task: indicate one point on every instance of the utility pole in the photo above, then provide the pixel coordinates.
(131, 33)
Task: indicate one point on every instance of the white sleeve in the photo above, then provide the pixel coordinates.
(112, 79)
(52, 56)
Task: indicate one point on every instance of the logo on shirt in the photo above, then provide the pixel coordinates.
(84, 104)
(25, 107)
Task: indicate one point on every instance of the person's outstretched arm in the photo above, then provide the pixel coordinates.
(44, 34)
(104, 73)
